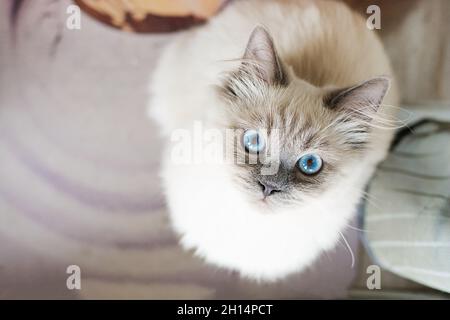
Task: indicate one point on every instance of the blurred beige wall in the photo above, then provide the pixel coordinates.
(417, 37)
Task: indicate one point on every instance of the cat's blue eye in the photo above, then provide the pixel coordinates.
(253, 141)
(310, 164)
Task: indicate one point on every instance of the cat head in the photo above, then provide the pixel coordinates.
(296, 138)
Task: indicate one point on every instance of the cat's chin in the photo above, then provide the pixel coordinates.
(269, 205)
(272, 204)
(266, 204)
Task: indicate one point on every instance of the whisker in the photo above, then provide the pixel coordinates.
(349, 249)
(356, 229)
(371, 202)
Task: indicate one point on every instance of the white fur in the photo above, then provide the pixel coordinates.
(206, 209)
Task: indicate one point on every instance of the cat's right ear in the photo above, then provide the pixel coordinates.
(361, 101)
(357, 107)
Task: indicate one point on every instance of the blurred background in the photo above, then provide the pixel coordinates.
(79, 157)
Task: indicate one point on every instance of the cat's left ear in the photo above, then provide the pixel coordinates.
(261, 58)
(361, 101)
(260, 64)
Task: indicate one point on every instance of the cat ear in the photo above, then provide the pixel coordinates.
(261, 58)
(362, 100)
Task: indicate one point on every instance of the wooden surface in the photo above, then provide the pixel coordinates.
(151, 16)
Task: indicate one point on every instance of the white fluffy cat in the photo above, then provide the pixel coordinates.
(307, 70)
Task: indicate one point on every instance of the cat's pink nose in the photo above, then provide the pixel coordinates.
(268, 189)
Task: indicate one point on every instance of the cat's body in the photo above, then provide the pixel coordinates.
(213, 206)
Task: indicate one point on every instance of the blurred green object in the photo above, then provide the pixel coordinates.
(407, 213)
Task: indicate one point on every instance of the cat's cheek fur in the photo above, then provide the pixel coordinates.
(212, 217)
